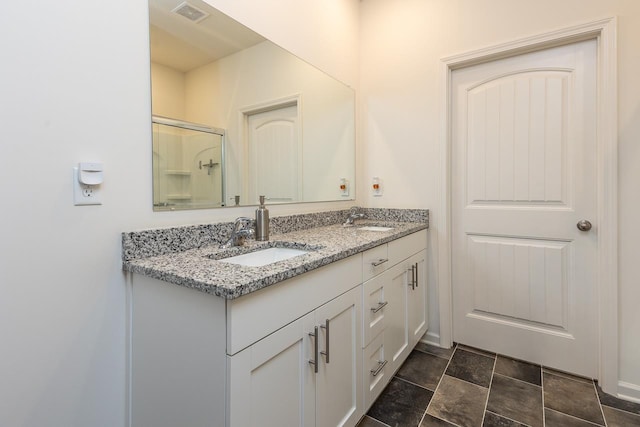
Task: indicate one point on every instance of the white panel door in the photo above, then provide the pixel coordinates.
(523, 176)
(275, 167)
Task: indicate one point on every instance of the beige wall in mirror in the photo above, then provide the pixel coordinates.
(289, 128)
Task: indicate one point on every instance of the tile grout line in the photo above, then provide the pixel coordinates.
(518, 379)
(510, 419)
(412, 383)
(575, 418)
(618, 409)
(544, 409)
(565, 375)
(473, 384)
(486, 402)
(432, 354)
(467, 382)
(599, 403)
(384, 424)
(439, 382)
(569, 415)
(480, 352)
(636, 414)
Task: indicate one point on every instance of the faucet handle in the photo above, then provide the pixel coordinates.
(242, 235)
(241, 220)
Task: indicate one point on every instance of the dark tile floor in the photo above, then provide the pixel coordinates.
(467, 387)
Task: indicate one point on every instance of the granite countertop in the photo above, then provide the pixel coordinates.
(199, 268)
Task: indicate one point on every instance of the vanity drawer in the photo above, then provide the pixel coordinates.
(403, 248)
(374, 307)
(254, 316)
(375, 370)
(375, 261)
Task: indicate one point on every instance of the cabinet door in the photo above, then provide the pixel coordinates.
(417, 306)
(396, 333)
(271, 383)
(339, 380)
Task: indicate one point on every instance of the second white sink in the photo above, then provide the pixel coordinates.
(264, 257)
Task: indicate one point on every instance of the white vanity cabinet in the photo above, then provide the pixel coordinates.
(201, 360)
(306, 374)
(394, 310)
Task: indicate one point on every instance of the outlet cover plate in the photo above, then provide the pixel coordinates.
(85, 194)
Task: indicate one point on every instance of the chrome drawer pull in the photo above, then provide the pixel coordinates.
(379, 307)
(376, 371)
(379, 262)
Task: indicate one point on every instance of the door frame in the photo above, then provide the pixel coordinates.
(604, 32)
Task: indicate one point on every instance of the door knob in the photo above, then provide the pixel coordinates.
(584, 225)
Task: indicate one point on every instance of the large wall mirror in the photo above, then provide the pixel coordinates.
(235, 116)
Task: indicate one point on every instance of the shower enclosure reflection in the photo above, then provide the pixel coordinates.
(188, 165)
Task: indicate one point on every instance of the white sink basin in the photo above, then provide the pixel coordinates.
(375, 228)
(263, 257)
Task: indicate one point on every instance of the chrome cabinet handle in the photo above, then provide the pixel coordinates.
(379, 307)
(314, 362)
(413, 277)
(376, 371)
(584, 225)
(379, 262)
(326, 340)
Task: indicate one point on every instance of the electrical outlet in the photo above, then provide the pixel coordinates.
(344, 187)
(376, 186)
(84, 194)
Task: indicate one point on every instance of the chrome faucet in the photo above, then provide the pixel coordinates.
(241, 230)
(350, 221)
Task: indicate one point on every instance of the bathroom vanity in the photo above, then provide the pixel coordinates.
(311, 340)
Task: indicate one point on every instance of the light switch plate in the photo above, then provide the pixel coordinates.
(85, 194)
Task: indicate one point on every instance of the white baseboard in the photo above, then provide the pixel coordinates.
(628, 391)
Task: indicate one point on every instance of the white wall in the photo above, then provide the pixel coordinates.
(168, 92)
(323, 32)
(401, 44)
(75, 87)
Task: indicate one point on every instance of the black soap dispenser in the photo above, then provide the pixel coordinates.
(262, 221)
